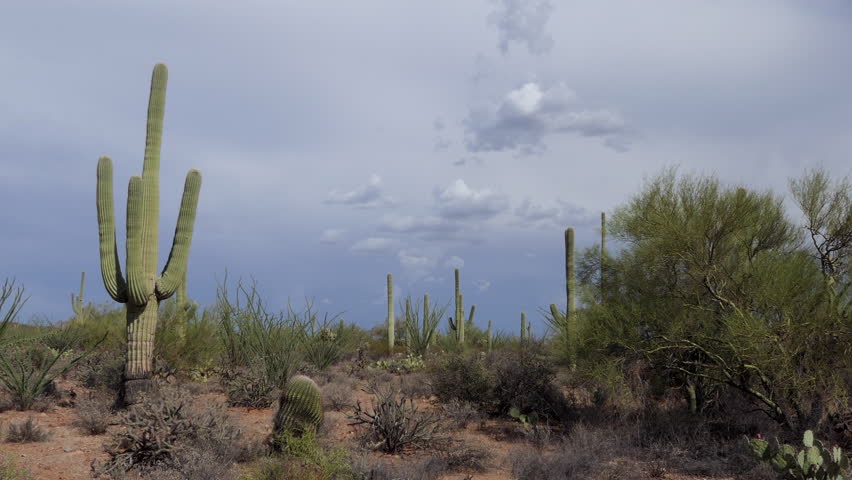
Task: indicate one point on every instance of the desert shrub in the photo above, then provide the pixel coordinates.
(583, 454)
(338, 396)
(103, 370)
(28, 367)
(26, 432)
(252, 337)
(248, 387)
(93, 415)
(409, 363)
(426, 469)
(322, 344)
(461, 377)
(525, 380)
(186, 340)
(415, 385)
(9, 469)
(459, 456)
(395, 422)
(162, 431)
(324, 463)
(461, 413)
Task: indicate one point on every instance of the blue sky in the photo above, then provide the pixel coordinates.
(341, 141)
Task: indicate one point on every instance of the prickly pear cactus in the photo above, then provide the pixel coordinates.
(299, 407)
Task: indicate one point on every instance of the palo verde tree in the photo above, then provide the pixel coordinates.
(717, 288)
(143, 290)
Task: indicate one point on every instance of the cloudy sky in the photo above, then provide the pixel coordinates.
(341, 141)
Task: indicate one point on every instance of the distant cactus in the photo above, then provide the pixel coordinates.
(488, 336)
(77, 304)
(523, 326)
(570, 281)
(391, 336)
(457, 326)
(299, 407)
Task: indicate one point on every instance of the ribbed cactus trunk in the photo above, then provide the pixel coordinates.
(603, 255)
(391, 337)
(143, 289)
(570, 311)
(523, 326)
(459, 311)
(425, 314)
(488, 337)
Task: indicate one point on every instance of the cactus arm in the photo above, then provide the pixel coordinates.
(110, 265)
(175, 270)
(136, 285)
(470, 318)
(151, 173)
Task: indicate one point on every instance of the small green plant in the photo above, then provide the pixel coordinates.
(527, 420)
(814, 462)
(321, 345)
(9, 469)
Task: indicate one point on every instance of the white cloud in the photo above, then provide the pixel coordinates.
(331, 235)
(454, 262)
(528, 114)
(458, 201)
(482, 285)
(366, 196)
(374, 245)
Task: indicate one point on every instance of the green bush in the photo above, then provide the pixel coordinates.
(461, 377)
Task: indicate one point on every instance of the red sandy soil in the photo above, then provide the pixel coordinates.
(69, 452)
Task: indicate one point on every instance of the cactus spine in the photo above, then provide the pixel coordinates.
(570, 311)
(143, 289)
(390, 314)
(299, 407)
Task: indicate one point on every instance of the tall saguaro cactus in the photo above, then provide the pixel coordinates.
(143, 289)
(523, 326)
(603, 253)
(571, 310)
(391, 332)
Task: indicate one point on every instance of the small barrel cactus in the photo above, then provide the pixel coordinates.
(299, 407)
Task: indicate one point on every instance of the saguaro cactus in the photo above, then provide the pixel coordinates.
(143, 290)
(571, 310)
(459, 311)
(523, 326)
(77, 304)
(603, 252)
(391, 337)
(488, 336)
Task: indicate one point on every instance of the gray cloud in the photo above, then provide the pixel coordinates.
(522, 21)
(366, 196)
(528, 114)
